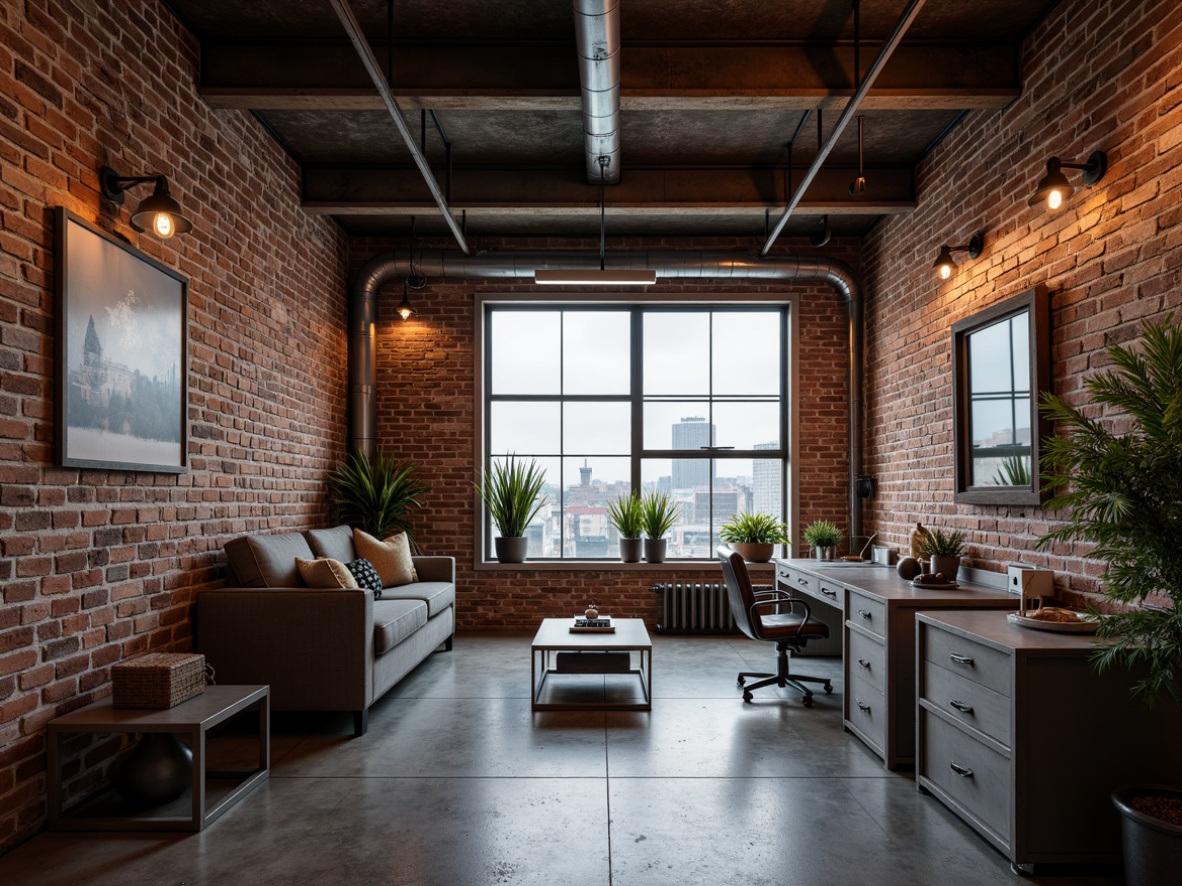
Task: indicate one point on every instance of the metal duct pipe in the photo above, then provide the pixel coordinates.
(396, 264)
(597, 35)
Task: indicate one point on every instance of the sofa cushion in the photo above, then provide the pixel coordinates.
(366, 576)
(438, 595)
(268, 561)
(390, 556)
(335, 543)
(325, 573)
(395, 620)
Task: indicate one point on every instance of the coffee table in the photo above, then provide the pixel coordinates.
(556, 651)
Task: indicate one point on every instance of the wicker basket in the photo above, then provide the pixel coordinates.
(157, 680)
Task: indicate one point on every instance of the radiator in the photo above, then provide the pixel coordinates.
(694, 608)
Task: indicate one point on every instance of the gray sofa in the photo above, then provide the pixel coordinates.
(334, 650)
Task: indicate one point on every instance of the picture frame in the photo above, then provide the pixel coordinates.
(997, 430)
(122, 353)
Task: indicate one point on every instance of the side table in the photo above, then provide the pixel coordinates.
(213, 791)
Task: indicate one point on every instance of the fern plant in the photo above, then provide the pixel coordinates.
(512, 492)
(375, 495)
(1120, 478)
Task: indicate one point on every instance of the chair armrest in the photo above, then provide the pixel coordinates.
(778, 599)
(313, 647)
(436, 568)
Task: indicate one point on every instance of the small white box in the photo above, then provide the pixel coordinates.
(1031, 583)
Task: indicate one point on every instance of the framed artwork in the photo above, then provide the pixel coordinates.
(122, 354)
(1001, 363)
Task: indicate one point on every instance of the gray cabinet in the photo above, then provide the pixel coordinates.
(1021, 737)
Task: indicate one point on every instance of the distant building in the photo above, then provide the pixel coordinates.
(692, 432)
(766, 483)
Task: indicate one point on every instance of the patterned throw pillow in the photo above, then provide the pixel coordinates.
(367, 577)
(390, 557)
(325, 573)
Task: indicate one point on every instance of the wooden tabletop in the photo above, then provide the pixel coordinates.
(555, 633)
(214, 703)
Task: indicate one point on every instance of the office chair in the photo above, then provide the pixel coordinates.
(758, 615)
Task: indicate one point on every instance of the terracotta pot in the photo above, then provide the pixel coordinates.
(511, 549)
(754, 552)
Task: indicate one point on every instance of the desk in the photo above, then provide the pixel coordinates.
(878, 631)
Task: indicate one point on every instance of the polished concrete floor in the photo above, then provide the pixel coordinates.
(457, 783)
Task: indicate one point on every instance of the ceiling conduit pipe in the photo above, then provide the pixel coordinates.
(396, 264)
(597, 36)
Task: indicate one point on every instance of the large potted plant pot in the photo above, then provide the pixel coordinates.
(754, 536)
(512, 492)
(1152, 844)
(374, 495)
(753, 552)
(631, 549)
(511, 549)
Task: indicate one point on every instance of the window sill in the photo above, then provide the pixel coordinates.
(682, 566)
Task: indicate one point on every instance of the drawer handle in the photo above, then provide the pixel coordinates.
(865, 613)
(961, 706)
(802, 581)
(832, 594)
(864, 663)
(961, 770)
(961, 659)
(863, 706)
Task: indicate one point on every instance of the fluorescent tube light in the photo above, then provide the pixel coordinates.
(594, 277)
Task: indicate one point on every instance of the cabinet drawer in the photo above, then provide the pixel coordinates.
(966, 701)
(977, 662)
(867, 712)
(795, 582)
(973, 776)
(868, 613)
(867, 658)
(831, 593)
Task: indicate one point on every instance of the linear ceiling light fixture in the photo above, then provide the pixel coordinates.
(1054, 189)
(944, 265)
(601, 277)
(158, 213)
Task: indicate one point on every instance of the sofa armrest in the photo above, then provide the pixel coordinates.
(436, 568)
(313, 647)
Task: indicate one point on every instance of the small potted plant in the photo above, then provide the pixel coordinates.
(374, 495)
(754, 536)
(627, 515)
(823, 537)
(945, 550)
(1117, 476)
(512, 492)
(660, 513)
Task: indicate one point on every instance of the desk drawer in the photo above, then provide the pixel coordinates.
(867, 613)
(867, 712)
(831, 593)
(795, 582)
(975, 661)
(973, 776)
(968, 702)
(867, 658)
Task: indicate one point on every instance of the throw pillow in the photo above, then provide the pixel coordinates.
(367, 577)
(390, 557)
(325, 573)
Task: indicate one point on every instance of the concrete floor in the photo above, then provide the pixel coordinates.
(457, 783)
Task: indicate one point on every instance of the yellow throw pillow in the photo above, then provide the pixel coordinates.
(325, 573)
(390, 557)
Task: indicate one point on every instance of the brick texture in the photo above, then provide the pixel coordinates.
(1095, 76)
(96, 565)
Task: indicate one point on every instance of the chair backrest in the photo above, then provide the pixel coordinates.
(738, 589)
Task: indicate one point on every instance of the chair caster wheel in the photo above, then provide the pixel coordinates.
(807, 701)
(741, 681)
(747, 696)
(828, 688)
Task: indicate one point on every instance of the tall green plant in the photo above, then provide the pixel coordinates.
(376, 495)
(757, 529)
(1120, 478)
(627, 515)
(660, 514)
(823, 534)
(512, 492)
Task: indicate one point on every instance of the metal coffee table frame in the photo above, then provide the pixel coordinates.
(554, 636)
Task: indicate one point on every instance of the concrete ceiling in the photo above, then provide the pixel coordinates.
(712, 92)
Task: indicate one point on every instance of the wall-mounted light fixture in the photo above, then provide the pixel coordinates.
(944, 264)
(158, 213)
(1054, 189)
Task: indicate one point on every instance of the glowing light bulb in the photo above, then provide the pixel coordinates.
(1054, 199)
(945, 271)
(162, 224)
(405, 313)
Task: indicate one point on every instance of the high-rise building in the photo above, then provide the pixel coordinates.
(692, 432)
(766, 483)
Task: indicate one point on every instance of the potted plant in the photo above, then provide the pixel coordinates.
(754, 536)
(659, 515)
(823, 537)
(512, 492)
(945, 550)
(1118, 478)
(375, 495)
(627, 515)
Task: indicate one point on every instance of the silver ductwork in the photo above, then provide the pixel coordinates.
(597, 36)
(396, 264)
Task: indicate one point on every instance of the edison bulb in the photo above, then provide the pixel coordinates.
(1054, 199)
(944, 271)
(163, 226)
(404, 313)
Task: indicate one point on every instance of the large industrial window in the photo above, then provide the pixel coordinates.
(686, 400)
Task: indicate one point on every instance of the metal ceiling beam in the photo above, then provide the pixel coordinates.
(301, 76)
(847, 114)
(376, 74)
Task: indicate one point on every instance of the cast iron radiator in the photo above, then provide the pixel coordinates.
(694, 608)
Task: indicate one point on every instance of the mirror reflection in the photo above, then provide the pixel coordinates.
(999, 403)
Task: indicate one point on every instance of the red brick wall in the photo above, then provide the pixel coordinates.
(1095, 75)
(426, 403)
(99, 565)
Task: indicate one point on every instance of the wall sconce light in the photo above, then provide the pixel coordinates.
(1054, 189)
(158, 213)
(944, 264)
(404, 309)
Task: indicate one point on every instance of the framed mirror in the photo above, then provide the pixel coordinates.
(1001, 362)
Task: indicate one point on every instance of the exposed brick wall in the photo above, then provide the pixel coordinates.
(100, 565)
(426, 414)
(1095, 75)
